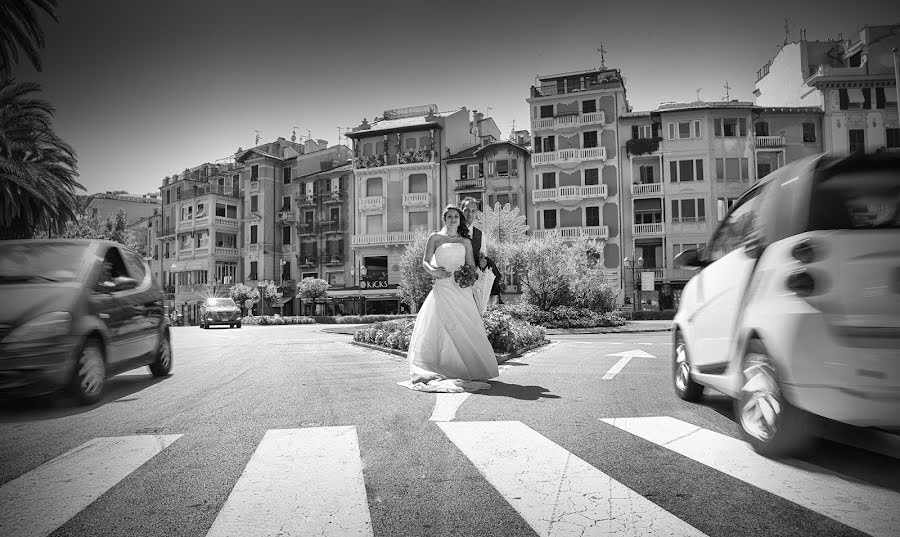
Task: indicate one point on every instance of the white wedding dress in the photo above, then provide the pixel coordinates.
(449, 348)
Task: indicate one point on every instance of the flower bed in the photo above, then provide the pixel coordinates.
(561, 317)
(262, 320)
(506, 334)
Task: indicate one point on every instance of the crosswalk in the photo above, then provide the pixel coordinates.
(311, 481)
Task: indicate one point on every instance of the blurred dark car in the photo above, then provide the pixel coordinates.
(74, 313)
(217, 310)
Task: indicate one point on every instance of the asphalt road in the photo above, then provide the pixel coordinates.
(491, 466)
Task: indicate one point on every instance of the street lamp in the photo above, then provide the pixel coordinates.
(261, 285)
(633, 266)
(358, 274)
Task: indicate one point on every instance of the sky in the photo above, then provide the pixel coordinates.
(145, 89)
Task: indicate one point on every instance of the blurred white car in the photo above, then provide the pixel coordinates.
(795, 310)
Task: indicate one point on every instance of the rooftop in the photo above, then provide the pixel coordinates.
(405, 123)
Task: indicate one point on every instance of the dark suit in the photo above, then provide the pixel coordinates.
(476, 241)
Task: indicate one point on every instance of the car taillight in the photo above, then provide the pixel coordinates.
(802, 283)
(807, 251)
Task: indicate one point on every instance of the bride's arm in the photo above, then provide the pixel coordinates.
(437, 272)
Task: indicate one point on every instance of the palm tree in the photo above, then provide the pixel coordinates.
(37, 168)
(19, 28)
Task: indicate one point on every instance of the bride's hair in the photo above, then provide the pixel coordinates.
(462, 230)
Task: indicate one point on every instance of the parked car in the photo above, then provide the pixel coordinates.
(217, 310)
(75, 312)
(795, 311)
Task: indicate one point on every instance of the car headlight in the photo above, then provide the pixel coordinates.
(48, 325)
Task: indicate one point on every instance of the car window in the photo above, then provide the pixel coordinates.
(39, 262)
(863, 199)
(113, 267)
(136, 265)
(737, 227)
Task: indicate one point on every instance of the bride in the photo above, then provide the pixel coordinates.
(449, 347)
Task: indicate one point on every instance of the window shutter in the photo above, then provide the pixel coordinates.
(696, 129)
(671, 131)
(718, 126)
(655, 130)
(742, 126)
(879, 98)
(634, 132)
(481, 169)
(699, 166)
(673, 171)
(701, 209)
(463, 172)
(674, 210)
(844, 99)
(867, 98)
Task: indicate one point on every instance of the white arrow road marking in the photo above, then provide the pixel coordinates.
(554, 491)
(862, 506)
(39, 502)
(626, 357)
(299, 482)
(446, 405)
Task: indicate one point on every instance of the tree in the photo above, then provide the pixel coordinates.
(240, 293)
(37, 168)
(312, 288)
(271, 294)
(504, 226)
(415, 283)
(105, 229)
(19, 29)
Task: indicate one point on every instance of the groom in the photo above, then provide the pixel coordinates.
(479, 248)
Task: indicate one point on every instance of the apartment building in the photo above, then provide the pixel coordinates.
(399, 184)
(851, 79)
(684, 165)
(574, 118)
(107, 204)
(492, 173)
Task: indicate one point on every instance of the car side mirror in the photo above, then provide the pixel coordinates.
(690, 259)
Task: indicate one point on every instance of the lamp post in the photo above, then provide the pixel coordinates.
(358, 274)
(633, 266)
(261, 285)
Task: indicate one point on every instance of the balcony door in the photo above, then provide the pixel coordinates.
(857, 140)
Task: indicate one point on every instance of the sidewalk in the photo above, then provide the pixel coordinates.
(630, 326)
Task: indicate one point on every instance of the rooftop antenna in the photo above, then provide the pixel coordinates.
(294, 133)
(727, 88)
(787, 30)
(602, 52)
(257, 137)
(698, 94)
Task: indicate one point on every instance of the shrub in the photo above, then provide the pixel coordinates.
(653, 315)
(561, 316)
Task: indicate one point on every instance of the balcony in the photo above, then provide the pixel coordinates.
(222, 250)
(407, 157)
(333, 226)
(222, 221)
(307, 261)
(591, 232)
(305, 201)
(647, 189)
(370, 203)
(569, 156)
(469, 184)
(369, 161)
(604, 80)
(648, 229)
(768, 141)
(422, 199)
(286, 216)
(396, 237)
(561, 122)
(637, 147)
(289, 249)
(334, 196)
(231, 192)
(306, 228)
(334, 259)
(569, 193)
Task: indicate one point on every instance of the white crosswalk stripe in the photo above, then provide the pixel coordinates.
(299, 482)
(39, 502)
(868, 508)
(557, 493)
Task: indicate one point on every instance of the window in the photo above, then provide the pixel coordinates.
(646, 174)
(550, 219)
(379, 148)
(374, 224)
(731, 127)
(644, 131)
(588, 107)
(892, 137)
(880, 100)
(425, 143)
(285, 234)
(689, 210)
(592, 216)
(548, 180)
(374, 187)
(590, 139)
(723, 205)
(285, 203)
(502, 167)
(254, 172)
(685, 170)
(253, 266)
(761, 128)
(254, 204)
(187, 212)
(547, 111)
(286, 176)
(201, 210)
(409, 144)
(286, 270)
(418, 219)
(418, 183)
(857, 140)
(253, 237)
(336, 279)
(545, 144)
(684, 129)
(592, 176)
(202, 239)
(732, 169)
(809, 132)
(368, 149)
(334, 214)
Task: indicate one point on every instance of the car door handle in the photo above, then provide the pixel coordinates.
(104, 316)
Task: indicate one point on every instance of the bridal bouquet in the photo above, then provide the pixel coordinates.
(465, 275)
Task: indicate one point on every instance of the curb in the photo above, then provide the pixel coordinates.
(501, 357)
(563, 331)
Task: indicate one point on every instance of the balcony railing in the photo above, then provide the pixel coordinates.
(393, 159)
(649, 229)
(421, 199)
(334, 259)
(647, 189)
(609, 80)
(333, 226)
(768, 141)
(306, 228)
(569, 155)
(305, 201)
(307, 260)
(396, 237)
(415, 157)
(369, 161)
(221, 250)
(573, 120)
(370, 203)
(469, 184)
(592, 232)
(334, 196)
(287, 216)
(569, 193)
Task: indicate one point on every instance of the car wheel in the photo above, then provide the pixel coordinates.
(773, 426)
(231, 325)
(162, 365)
(685, 387)
(89, 376)
(239, 325)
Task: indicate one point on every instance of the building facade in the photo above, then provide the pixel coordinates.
(575, 148)
(399, 185)
(492, 173)
(852, 80)
(107, 204)
(685, 164)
